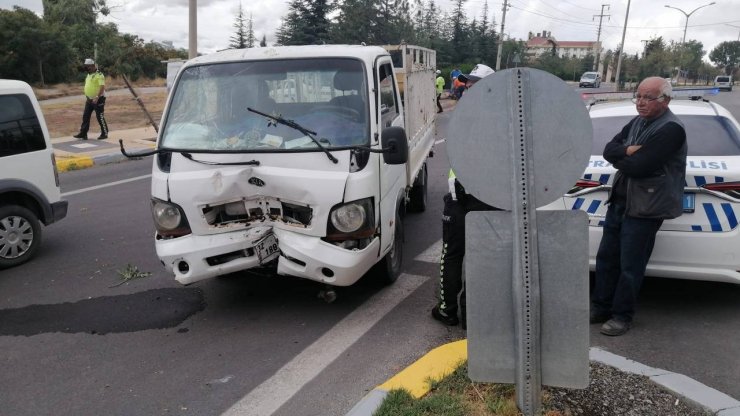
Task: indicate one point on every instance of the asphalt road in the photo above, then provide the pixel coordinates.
(76, 341)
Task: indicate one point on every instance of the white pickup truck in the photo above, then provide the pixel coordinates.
(303, 159)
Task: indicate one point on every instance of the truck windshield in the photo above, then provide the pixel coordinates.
(208, 110)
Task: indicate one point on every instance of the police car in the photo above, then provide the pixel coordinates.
(703, 243)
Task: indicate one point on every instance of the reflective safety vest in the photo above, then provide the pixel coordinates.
(451, 184)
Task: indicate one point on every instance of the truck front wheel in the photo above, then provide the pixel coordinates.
(418, 193)
(389, 268)
(20, 235)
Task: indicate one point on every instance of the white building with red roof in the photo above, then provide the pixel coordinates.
(545, 43)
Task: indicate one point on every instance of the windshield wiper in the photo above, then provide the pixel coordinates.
(292, 124)
(187, 154)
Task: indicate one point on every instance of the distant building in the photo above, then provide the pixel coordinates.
(545, 43)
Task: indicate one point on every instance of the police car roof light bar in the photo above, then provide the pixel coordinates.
(690, 93)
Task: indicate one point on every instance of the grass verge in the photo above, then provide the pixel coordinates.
(454, 395)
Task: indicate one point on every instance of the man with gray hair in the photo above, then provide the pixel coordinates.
(650, 157)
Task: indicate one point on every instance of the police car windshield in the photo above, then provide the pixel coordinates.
(706, 135)
(328, 96)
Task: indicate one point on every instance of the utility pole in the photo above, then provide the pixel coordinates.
(598, 36)
(193, 29)
(621, 47)
(501, 36)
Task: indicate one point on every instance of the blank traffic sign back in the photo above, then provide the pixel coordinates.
(518, 140)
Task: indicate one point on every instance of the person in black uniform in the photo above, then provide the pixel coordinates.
(457, 203)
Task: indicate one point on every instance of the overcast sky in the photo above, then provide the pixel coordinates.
(167, 20)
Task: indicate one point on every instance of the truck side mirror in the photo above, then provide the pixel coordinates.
(395, 145)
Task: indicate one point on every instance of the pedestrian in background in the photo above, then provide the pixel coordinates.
(453, 77)
(457, 203)
(440, 83)
(650, 156)
(94, 91)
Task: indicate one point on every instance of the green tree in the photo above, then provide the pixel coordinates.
(305, 24)
(30, 49)
(74, 12)
(726, 56)
(355, 22)
(239, 38)
(460, 33)
(250, 32)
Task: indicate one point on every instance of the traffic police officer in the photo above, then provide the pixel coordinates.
(457, 204)
(94, 101)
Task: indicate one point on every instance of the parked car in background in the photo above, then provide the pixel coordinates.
(723, 82)
(703, 243)
(590, 79)
(29, 182)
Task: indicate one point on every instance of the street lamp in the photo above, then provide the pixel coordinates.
(687, 17)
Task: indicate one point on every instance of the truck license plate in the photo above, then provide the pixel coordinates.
(267, 248)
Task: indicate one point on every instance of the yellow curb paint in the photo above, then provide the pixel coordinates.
(435, 365)
(65, 165)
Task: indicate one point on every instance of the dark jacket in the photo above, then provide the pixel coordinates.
(650, 182)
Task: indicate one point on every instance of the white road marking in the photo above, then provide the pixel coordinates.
(84, 145)
(106, 185)
(440, 141)
(269, 396)
(431, 254)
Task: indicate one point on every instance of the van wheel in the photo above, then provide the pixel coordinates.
(20, 235)
(418, 194)
(389, 268)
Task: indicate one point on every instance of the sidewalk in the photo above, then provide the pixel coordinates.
(73, 154)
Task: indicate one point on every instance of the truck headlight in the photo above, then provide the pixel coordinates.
(169, 219)
(351, 220)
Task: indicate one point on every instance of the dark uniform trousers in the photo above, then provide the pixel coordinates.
(99, 109)
(453, 249)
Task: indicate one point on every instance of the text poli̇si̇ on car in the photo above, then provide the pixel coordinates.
(703, 243)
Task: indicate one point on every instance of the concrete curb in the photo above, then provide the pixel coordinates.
(435, 365)
(441, 361)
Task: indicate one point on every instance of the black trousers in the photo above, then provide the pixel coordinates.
(99, 109)
(439, 106)
(451, 283)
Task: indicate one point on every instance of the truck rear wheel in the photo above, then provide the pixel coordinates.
(20, 235)
(389, 268)
(418, 194)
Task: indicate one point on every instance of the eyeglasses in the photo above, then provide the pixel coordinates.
(638, 97)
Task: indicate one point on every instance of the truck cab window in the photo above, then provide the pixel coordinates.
(388, 107)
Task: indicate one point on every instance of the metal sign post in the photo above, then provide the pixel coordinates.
(522, 139)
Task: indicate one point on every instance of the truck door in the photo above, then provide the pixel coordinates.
(392, 177)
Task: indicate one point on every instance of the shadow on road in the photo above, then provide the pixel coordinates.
(151, 309)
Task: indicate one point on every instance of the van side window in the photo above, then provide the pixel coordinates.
(20, 130)
(388, 107)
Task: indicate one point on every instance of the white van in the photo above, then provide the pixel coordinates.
(29, 182)
(590, 79)
(723, 82)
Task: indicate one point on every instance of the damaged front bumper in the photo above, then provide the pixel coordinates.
(198, 257)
